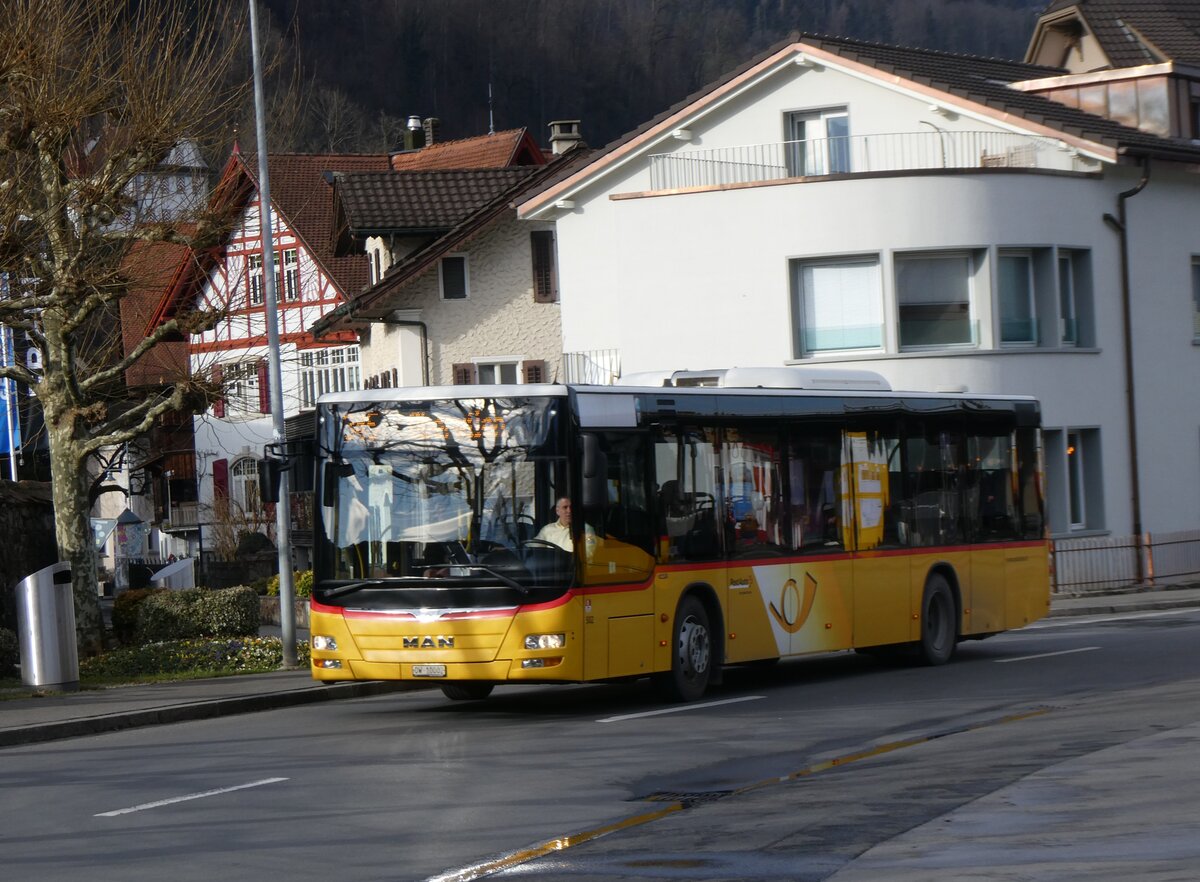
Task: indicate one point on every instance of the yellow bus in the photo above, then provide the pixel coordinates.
(469, 536)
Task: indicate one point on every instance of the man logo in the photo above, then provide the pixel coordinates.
(792, 612)
(428, 642)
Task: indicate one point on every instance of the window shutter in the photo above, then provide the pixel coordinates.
(534, 370)
(264, 388)
(218, 377)
(545, 279)
(464, 374)
(221, 479)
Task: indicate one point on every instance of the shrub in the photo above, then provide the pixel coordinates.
(252, 543)
(238, 655)
(302, 581)
(125, 613)
(198, 612)
(263, 586)
(10, 653)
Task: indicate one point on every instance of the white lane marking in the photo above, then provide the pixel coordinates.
(1066, 621)
(1004, 661)
(162, 802)
(680, 709)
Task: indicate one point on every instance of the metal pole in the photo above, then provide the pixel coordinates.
(5, 351)
(283, 514)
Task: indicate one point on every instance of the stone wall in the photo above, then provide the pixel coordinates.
(27, 528)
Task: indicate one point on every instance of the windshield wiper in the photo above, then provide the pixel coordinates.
(352, 587)
(487, 571)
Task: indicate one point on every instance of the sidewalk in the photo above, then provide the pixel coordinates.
(26, 720)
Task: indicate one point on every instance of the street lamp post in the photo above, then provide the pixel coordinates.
(283, 518)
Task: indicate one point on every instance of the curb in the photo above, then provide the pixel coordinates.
(197, 710)
(1102, 609)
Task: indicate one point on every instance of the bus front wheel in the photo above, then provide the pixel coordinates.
(467, 691)
(939, 632)
(691, 654)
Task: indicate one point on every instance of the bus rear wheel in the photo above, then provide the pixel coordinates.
(691, 656)
(939, 631)
(467, 691)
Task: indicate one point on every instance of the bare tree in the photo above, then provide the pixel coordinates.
(93, 97)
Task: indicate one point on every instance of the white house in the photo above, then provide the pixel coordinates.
(954, 223)
(310, 281)
(462, 291)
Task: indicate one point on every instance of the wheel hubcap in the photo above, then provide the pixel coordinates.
(693, 646)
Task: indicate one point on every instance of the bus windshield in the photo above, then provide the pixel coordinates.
(441, 500)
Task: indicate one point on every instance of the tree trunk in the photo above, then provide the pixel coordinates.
(73, 530)
(69, 485)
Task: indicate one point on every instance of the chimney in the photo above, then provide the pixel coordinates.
(432, 124)
(564, 134)
(414, 135)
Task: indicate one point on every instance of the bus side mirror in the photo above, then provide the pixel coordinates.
(331, 474)
(595, 472)
(268, 479)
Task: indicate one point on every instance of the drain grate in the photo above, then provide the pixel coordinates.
(688, 799)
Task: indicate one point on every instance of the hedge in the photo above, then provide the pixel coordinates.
(10, 653)
(239, 655)
(125, 613)
(197, 612)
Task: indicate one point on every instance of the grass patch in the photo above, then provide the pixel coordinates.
(173, 660)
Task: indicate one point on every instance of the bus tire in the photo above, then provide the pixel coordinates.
(939, 631)
(467, 690)
(691, 655)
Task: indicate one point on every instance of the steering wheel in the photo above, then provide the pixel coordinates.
(543, 543)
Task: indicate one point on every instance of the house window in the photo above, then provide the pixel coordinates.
(244, 484)
(492, 371)
(255, 279)
(934, 294)
(836, 305)
(818, 142)
(1018, 322)
(1075, 484)
(1196, 299)
(291, 277)
(545, 278)
(454, 277)
(242, 386)
(331, 369)
(1068, 324)
(1076, 491)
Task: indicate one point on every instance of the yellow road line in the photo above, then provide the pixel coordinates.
(495, 865)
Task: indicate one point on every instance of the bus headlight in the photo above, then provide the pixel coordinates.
(545, 641)
(329, 663)
(320, 641)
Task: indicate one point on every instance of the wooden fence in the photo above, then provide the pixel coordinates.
(1106, 563)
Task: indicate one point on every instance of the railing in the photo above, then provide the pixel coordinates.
(599, 367)
(183, 514)
(859, 154)
(1103, 563)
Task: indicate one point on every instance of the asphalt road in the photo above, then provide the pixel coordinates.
(807, 770)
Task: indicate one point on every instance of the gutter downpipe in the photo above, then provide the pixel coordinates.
(1120, 224)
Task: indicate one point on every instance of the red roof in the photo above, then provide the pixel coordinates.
(155, 270)
(303, 197)
(498, 150)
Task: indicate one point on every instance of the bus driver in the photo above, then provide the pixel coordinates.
(559, 532)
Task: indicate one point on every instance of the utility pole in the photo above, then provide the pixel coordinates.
(283, 509)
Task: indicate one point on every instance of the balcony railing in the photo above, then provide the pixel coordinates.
(860, 154)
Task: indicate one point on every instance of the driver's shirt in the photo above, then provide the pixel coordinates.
(557, 533)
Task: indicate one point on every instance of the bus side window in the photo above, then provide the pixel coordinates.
(815, 489)
(685, 473)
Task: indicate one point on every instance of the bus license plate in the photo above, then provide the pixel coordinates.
(429, 670)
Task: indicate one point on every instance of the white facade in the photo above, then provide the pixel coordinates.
(712, 274)
(235, 431)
